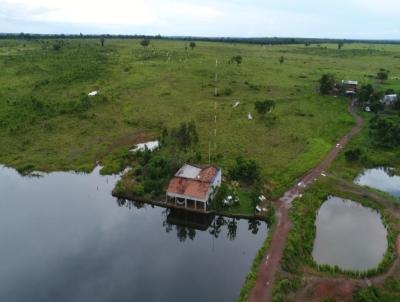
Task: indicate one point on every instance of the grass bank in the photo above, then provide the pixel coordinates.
(298, 250)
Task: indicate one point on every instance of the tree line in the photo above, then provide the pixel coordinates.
(254, 40)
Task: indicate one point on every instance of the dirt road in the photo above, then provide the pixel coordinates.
(262, 290)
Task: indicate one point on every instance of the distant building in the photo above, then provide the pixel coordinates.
(389, 99)
(349, 87)
(194, 187)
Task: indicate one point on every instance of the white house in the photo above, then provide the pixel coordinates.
(193, 187)
(389, 99)
(349, 87)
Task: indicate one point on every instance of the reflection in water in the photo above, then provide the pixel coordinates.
(65, 238)
(349, 235)
(186, 223)
(384, 179)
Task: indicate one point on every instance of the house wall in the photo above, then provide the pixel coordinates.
(216, 182)
(184, 197)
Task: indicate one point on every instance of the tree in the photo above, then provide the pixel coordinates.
(365, 92)
(375, 102)
(263, 107)
(145, 43)
(281, 59)
(57, 46)
(327, 83)
(192, 45)
(385, 131)
(102, 41)
(236, 59)
(353, 155)
(186, 135)
(164, 135)
(244, 170)
(340, 45)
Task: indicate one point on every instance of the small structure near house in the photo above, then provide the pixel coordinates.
(349, 87)
(389, 99)
(193, 187)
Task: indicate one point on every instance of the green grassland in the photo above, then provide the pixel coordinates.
(372, 156)
(47, 122)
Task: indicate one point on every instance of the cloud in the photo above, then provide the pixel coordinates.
(306, 18)
(379, 7)
(115, 12)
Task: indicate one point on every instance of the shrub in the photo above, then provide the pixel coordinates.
(138, 189)
(327, 83)
(385, 132)
(57, 47)
(382, 74)
(145, 43)
(365, 92)
(185, 135)
(262, 107)
(236, 59)
(244, 170)
(227, 91)
(353, 155)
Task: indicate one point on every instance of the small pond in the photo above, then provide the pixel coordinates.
(382, 179)
(349, 235)
(65, 238)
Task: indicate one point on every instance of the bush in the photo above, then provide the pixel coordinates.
(353, 155)
(185, 135)
(263, 107)
(390, 291)
(385, 132)
(236, 59)
(138, 189)
(327, 83)
(227, 91)
(145, 42)
(246, 171)
(382, 75)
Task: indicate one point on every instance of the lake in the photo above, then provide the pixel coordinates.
(382, 179)
(65, 238)
(349, 235)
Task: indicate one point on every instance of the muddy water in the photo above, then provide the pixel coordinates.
(349, 235)
(382, 179)
(65, 238)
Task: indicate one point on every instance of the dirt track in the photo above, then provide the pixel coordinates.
(262, 290)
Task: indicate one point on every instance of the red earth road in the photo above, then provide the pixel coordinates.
(262, 290)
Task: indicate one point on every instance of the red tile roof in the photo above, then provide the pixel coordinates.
(207, 174)
(195, 188)
(188, 187)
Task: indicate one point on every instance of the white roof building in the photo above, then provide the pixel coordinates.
(389, 99)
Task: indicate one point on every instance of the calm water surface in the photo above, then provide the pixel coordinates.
(349, 235)
(382, 179)
(65, 238)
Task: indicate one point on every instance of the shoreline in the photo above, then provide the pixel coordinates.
(164, 204)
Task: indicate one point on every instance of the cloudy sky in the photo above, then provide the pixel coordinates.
(372, 19)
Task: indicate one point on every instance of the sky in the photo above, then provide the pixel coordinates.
(350, 19)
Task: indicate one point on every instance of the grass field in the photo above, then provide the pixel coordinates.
(47, 122)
